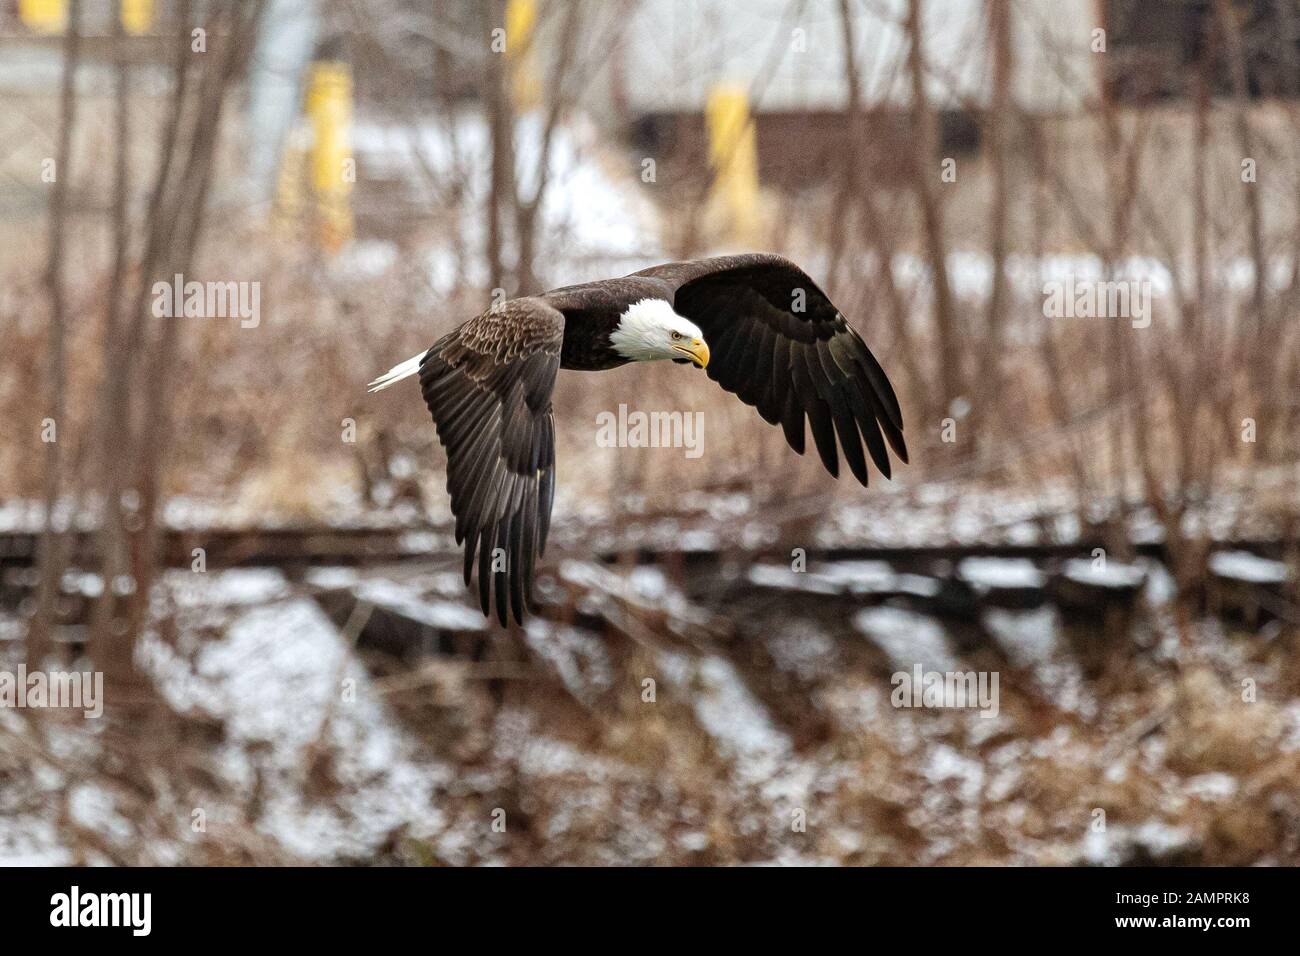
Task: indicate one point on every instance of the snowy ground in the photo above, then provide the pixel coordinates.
(723, 728)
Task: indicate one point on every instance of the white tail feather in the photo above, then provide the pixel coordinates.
(397, 373)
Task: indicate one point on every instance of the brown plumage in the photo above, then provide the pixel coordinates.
(770, 337)
(488, 386)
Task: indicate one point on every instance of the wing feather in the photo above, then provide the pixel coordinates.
(792, 421)
(488, 386)
(779, 344)
(765, 399)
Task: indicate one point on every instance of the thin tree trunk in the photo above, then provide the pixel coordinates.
(125, 354)
(527, 210)
(850, 181)
(113, 404)
(502, 124)
(189, 209)
(924, 173)
(1000, 30)
(1245, 142)
(1263, 359)
(52, 549)
(858, 195)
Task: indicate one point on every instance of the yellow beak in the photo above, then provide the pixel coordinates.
(697, 351)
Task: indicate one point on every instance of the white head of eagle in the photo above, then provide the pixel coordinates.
(651, 330)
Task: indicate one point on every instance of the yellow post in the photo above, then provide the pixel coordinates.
(521, 57)
(44, 16)
(290, 207)
(332, 168)
(137, 16)
(733, 154)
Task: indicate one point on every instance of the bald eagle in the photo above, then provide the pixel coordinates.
(758, 325)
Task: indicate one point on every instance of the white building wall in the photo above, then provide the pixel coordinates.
(676, 50)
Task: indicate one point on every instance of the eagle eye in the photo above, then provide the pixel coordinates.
(676, 336)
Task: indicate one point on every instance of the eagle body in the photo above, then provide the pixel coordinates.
(592, 312)
(757, 323)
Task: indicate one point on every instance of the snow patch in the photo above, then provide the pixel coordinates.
(1251, 568)
(907, 638)
(1001, 573)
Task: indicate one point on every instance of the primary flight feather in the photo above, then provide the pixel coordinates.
(758, 325)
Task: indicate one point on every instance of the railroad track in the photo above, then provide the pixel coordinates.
(320, 545)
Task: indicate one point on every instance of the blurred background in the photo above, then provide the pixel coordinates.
(1069, 230)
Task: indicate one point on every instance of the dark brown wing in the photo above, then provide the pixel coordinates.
(779, 344)
(488, 385)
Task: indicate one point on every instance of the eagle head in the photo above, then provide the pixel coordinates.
(651, 330)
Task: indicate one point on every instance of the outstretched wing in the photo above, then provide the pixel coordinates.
(488, 385)
(779, 344)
